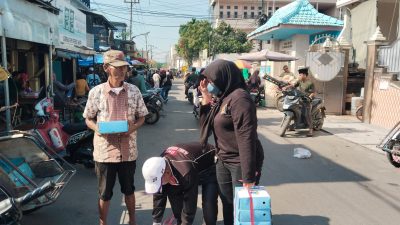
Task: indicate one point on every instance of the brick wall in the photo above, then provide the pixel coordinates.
(385, 102)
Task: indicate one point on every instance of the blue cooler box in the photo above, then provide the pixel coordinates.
(113, 127)
(261, 206)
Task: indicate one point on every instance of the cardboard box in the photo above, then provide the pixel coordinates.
(261, 206)
(113, 127)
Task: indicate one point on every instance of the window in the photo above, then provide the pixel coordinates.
(221, 7)
(228, 14)
(270, 8)
(221, 14)
(270, 14)
(245, 7)
(252, 15)
(268, 42)
(259, 13)
(228, 7)
(260, 8)
(276, 8)
(252, 8)
(235, 15)
(235, 7)
(244, 15)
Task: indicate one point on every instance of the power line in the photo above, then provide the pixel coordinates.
(148, 24)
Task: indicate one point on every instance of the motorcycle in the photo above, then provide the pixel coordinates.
(11, 208)
(293, 109)
(391, 145)
(191, 93)
(257, 94)
(73, 141)
(153, 107)
(196, 105)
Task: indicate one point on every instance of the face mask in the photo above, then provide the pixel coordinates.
(213, 89)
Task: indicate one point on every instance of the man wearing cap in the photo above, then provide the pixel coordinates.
(305, 85)
(115, 154)
(92, 78)
(176, 175)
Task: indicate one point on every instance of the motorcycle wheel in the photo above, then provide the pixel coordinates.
(393, 159)
(318, 120)
(153, 115)
(279, 103)
(285, 125)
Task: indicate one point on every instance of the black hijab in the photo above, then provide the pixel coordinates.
(227, 77)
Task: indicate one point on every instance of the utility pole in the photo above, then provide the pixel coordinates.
(145, 35)
(130, 21)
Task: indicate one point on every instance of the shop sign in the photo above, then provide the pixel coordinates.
(71, 25)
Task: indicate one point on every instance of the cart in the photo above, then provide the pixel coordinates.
(26, 164)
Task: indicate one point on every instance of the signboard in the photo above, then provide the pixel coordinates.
(71, 25)
(324, 66)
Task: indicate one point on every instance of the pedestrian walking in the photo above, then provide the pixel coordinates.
(156, 79)
(115, 154)
(232, 119)
(166, 86)
(176, 175)
(92, 78)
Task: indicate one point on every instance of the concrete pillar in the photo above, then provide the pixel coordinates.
(373, 45)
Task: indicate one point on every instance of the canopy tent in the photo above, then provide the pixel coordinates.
(265, 55)
(136, 63)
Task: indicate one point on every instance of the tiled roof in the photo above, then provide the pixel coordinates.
(299, 12)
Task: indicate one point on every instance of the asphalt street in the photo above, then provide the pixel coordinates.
(341, 184)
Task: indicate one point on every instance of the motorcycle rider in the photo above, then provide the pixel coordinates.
(305, 85)
(190, 80)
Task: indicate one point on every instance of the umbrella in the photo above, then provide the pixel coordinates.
(135, 62)
(242, 64)
(266, 54)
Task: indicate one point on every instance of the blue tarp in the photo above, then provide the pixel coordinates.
(98, 59)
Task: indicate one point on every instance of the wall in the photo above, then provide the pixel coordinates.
(388, 16)
(385, 101)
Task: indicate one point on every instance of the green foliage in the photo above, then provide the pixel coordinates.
(194, 37)
(197, 35)
(225, 39)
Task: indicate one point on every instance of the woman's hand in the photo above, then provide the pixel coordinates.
(207, 97)
(248, 185)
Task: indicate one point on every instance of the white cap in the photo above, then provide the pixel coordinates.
(152, 170)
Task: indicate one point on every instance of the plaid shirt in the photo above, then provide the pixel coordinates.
(105, 105)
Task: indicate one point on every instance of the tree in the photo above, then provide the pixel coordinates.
(194, 37)
(197, 35)
(226, 39)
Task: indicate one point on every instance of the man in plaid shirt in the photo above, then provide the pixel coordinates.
(115, 154)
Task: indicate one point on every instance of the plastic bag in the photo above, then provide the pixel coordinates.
(301, 153)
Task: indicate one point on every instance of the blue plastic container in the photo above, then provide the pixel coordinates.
(14, 175)
(113, 127)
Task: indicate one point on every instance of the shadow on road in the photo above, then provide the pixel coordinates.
(285, 219)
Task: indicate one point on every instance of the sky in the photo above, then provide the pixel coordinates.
(161, 18)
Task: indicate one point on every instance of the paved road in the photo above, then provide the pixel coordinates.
(341, 184)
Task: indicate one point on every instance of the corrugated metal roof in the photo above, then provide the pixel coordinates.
(299, 12)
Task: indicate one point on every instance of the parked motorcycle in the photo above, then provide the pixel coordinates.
(11, 207)
(294, 116)
(391, 145)
(74, 141)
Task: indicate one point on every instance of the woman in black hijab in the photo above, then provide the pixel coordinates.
(232, 119)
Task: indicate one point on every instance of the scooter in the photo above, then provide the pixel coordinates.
(11, 208)
(197, 97)
(72, 141)
(391, 145)
(293, 109)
